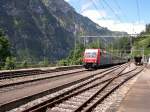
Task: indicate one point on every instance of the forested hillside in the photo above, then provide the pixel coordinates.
(142, 42)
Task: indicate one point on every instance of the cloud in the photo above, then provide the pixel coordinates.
(99, 18)
(103, 19)
(94, 14)
(131, 28)
(67, 0)
(85, 6)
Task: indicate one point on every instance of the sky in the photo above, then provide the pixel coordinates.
(130, 16)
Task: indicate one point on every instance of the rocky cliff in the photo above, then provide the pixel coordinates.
(44, 28)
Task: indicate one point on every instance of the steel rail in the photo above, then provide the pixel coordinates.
(43, 106)
(21, 101)
(38, 79)
(109, 81)
(90, 108)
(15, 74)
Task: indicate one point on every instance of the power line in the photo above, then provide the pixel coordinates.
(102, 5)
(138, 10)
(125, 16)
(118, 6)
(97, 9)
(126, 35)
(112, 10)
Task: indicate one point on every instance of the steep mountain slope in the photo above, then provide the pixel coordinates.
(44, 28)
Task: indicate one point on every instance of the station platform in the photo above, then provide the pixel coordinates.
(138, 97)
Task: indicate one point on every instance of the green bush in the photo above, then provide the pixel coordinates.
(63, 62)
(24, 64)
(4, 49)
(10, 63)
(44, 63)
(74, 58)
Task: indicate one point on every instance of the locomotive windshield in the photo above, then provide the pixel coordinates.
(90, 55)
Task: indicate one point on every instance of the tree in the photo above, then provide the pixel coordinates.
(75, 56)
(4, 48)
(122, 45)
(142, 43)
(10, 63)
(62, 62)
(44, 63)
(148, 28)
(24, 64)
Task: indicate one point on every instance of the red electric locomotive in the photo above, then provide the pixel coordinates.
(95, 58)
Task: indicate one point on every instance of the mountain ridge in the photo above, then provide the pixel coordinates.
(44, 28)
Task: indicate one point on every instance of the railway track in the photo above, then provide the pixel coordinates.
(97, 77)
(87, 96)
(23, 73)
(148, 66)
(23, 82)
(109, 88)
(21, 101)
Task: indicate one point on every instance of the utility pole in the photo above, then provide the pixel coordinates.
(131, 49)
(143, 53)
(99, 42)
(112, 48)
(84, 40)
(75, 33)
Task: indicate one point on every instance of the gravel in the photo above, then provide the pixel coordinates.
(35, 102)
(27, 78)
(112, 102)
(31, 77)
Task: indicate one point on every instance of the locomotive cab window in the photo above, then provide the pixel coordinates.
(90, 54)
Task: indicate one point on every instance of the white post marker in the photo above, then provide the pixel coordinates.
(149, 61)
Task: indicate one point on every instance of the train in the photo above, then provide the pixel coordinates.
(138, 60)
(96, 58)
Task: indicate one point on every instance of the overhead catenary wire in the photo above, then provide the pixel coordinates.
(118, 6)
(112, 10)
(98, 10)
(138, 10)
(103, 8)
(124, 14)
